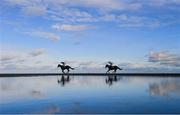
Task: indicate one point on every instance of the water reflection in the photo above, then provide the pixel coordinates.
(165, 87)
(50, 109)
(37, 94)
(111, 79)
(64, 80)
(89, 94)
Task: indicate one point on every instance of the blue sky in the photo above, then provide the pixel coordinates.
(137, 35)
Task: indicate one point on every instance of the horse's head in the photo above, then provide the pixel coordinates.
(106, 65)
(59, 65)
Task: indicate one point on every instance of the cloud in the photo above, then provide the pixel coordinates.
(48, 35)
(25, 60)
(37, 94)
(98, 4)
(70, 15)
(29, 7)
(161, 2)
(123, 20)
(91, 64)
(43, 34)
(50, 109)
(68, 27)
(18, 2)
(66, 7)
(68, 12)
(164, 58)
(11, 60)
(34, 10)
(137, 21)
(32, 64)
(37, 52)
(7, 58)
(108, 4)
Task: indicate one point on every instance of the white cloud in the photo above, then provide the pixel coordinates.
(29, 7)
(165, 58)
(26, 60)
(161, 2)
(107, 4)
(38, 52)
(124, 20)
(69, 27)
(39, 7)
(99, 4)
(137, 21)
(43, 34)
(91, 64)
(69, 15)
(72, 12)
(34, 10)
(18, 2)
(75, 12)
(7, 57)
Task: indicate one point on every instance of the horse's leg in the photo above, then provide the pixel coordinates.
(63, 70)
(107, 79)
(67, 70)
(115, 78)
(68, 78)
(108, 71)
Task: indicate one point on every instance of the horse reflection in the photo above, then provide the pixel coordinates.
(64, 80)
(111, 79)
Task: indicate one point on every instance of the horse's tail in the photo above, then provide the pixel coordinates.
(119, 68)
(72, 68)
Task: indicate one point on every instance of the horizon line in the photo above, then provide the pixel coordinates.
(88, 74)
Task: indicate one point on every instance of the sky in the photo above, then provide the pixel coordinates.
(137, 35)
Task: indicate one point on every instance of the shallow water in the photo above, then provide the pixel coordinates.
(90, 94)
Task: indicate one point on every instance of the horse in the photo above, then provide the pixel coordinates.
(111, 79)
(63, 80)
(111, 67)
(65, 67)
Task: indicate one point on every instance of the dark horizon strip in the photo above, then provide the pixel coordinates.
(89, 74)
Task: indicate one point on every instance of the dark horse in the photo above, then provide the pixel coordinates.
(63, 80)
(112, 79)
(63, 67)
(111, 67)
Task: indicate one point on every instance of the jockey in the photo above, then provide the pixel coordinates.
(63, 63)
(110, 63)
